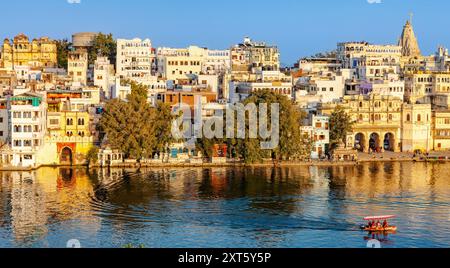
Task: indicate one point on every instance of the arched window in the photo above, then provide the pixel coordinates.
(419, 118)
(408, 118)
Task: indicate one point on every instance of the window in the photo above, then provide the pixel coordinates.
(408, 118)
(1, 133)
(1, 119)
(69, 121)
(419, 118)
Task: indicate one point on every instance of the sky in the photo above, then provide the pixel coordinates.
(298, 27)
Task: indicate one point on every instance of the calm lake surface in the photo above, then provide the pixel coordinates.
(224, 207)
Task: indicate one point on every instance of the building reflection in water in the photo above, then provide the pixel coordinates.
(266, 202)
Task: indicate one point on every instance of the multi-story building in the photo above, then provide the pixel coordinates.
(4, 120)
(389, 87)
(255, 56)
(385, 123)
(104, 76)
(321, 87)
(428, 87)
(441, 130)
(417, 128)
(37, 53)
(78, 66)
(372, 60)
(319, 65)
(216, 62)
(27, 128)
(274, 81)
(8, 81)
(175, 64)
(319, 133)
(135, 59)
(378, 121)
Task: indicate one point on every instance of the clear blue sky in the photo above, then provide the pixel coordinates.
(299, 27)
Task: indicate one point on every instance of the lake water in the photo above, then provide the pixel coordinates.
(222, 207)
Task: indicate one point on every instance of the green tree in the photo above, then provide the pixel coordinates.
(63, 46)
(92, 155)
(163, 126)
(340, 125)
(103, 45)
(293, 145)
(135, 127)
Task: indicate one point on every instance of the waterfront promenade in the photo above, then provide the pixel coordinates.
(443, 156)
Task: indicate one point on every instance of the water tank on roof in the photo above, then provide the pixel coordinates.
(83, 39)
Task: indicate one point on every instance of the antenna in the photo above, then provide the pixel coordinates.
(411, 15)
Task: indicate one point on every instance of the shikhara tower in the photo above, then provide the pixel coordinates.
(408, 41)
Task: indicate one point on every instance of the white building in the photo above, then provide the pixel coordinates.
(121, 90)
(216, 62)
(322, 87)
(319, 132)
(27, 128)
(78, 66)
(178, 63)
(275, 81)
(394, 87)
(104, 76)
(135, 59)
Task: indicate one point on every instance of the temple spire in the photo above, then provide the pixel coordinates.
(408, 40)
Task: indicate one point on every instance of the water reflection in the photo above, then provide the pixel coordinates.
(223, 207)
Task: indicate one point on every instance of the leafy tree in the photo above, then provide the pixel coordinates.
(103, 45)
(62, 46)
(134, 127)
(92, 155)
(206, 146)
(340, 124)
(293, 145)
(162, 126)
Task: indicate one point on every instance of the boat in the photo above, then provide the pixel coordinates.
(378, 229)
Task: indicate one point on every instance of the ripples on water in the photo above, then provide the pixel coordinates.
(222, 207)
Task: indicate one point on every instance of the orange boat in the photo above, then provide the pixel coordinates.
(381, 227)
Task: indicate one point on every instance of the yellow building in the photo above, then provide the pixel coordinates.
(428, 87)
(377, 118)
(417, 128)
(441, 130)
(385, 123)
(69, 136)
(40, 52)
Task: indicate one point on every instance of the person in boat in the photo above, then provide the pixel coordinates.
(385, 224)
(378, 224)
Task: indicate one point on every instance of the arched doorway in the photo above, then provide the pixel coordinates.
(389, 142)
(66, 156)
(374, 142)
(360, 142)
